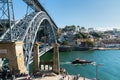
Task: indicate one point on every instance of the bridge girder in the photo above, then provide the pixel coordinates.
(35, 5)
(26, 30)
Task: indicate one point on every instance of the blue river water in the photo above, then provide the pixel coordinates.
(109, 70)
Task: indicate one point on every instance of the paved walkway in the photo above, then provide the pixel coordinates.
(59, 77)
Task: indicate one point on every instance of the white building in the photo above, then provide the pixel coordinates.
(111, 44)
(90, 29)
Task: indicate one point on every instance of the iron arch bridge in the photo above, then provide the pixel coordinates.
(34, 27)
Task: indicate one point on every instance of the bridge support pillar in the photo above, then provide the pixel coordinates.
(56, 66)
(36, 59)
(13, 51)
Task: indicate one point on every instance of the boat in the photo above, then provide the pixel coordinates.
(79, 61)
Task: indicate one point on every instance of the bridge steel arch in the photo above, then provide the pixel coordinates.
(26, 30)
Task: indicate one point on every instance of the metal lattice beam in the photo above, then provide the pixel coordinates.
(26, 30)
(6, 14)
(35, 4)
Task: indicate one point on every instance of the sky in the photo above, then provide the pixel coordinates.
(99, 14)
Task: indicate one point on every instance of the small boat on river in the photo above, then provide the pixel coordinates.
(79, 61)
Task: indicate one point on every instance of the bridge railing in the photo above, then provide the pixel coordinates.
(20, 25)
(34, 4)
(42, 52)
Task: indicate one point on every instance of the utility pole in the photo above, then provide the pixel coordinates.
(7, 14)
(97, 65)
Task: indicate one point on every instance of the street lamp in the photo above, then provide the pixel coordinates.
(97, 65)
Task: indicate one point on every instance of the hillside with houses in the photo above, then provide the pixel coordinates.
(88, 38)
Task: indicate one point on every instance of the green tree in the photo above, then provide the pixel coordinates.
(84, 35)
(73, 27)
(82, 27)
(78, 27)
(90, 43)
(97, 35)
(70, 28)
(78, 36)
(65, 43)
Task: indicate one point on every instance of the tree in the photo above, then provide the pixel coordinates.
(82, 27)
(78, 36)
(70, 28)
(84, 35)
(95, 34)
(78, 27)
(89, 43)
(64, 43)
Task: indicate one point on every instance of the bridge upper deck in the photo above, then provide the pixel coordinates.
(35, 4)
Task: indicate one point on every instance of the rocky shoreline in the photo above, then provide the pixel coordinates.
(75, 48)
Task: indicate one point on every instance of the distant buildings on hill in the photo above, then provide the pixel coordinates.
(82, 37)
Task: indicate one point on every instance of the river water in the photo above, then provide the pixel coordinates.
(109, 70)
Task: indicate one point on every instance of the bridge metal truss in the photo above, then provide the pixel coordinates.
(6, 15)
(26, 30)
(35, 5)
